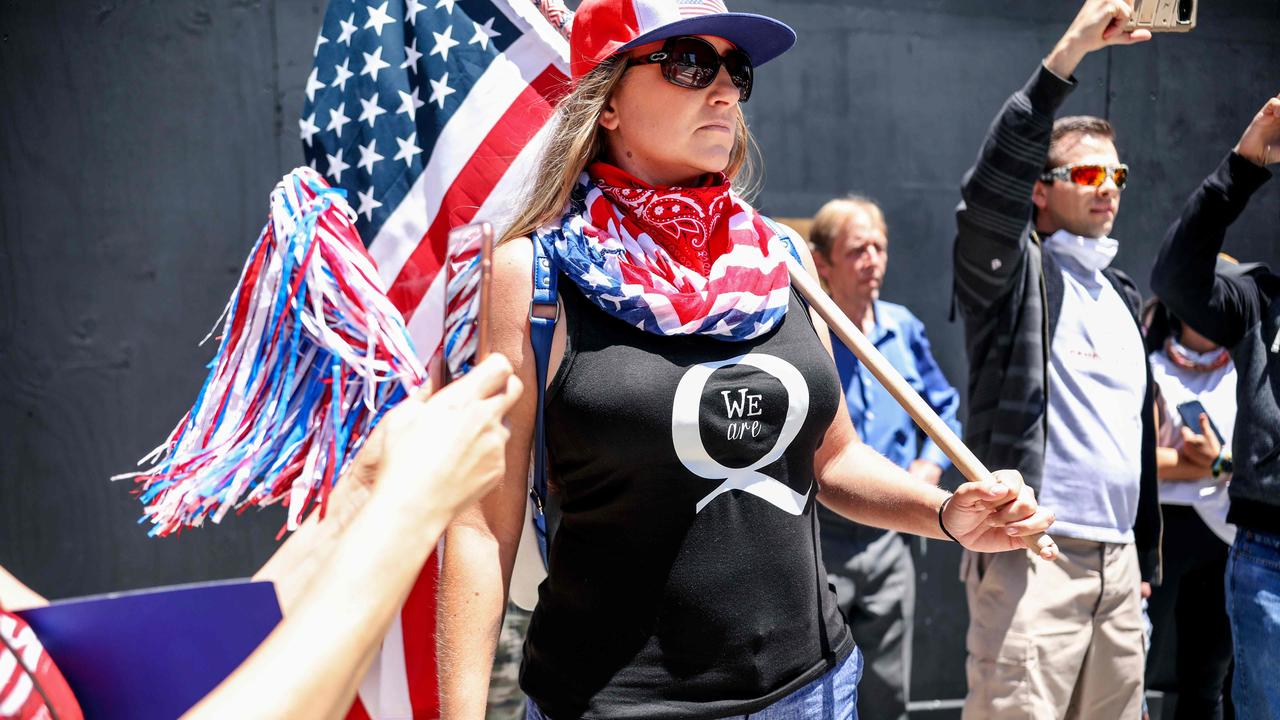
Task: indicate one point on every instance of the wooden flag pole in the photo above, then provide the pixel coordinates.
(968, 463)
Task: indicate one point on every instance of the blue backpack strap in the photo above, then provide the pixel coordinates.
(785, 236)
(544, 311)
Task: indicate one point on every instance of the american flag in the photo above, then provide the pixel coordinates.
(694, 8)
(431, 114)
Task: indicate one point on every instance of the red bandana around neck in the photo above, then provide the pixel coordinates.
(684, 221)
(625, 268)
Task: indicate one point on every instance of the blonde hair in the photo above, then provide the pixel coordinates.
(576, 141)
(831, 219)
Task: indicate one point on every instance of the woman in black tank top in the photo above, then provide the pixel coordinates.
(693, 416)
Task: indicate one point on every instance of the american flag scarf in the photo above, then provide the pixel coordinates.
(672, 260)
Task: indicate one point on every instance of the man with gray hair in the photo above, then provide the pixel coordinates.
(871, 569)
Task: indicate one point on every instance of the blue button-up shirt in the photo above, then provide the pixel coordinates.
(880, 421)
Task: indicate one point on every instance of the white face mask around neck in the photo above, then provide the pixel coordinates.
(1092, 253)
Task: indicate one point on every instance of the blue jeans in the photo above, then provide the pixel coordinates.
(834, 696)
(1253, 604)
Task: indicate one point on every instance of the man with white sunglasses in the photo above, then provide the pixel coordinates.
(1059, 387)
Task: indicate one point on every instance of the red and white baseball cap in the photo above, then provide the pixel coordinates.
(604, 28)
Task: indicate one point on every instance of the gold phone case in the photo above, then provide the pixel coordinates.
(1163, 15)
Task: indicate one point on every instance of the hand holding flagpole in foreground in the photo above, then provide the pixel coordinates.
(968, 463)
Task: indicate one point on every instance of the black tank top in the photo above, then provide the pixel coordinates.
(685, 576)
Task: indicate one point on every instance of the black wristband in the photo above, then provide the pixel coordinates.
(941, 525)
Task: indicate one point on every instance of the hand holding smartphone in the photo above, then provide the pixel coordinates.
(1190, 412)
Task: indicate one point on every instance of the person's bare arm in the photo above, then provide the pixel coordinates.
(1172, 466)
(424, 461)
(303, 554)
(861, 484)
(16, 596)
(1194, 459)
(481, 544)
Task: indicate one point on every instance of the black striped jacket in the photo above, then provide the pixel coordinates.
(1009, 294)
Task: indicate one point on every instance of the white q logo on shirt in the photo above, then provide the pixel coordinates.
(686, 435)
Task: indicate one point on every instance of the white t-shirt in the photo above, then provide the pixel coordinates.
(1216, 391)
(1097, 382)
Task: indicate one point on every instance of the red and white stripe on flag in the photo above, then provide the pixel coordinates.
(467, 153)
(694, 8)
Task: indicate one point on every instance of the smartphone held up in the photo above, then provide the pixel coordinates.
(1163, 15)
(469, 268)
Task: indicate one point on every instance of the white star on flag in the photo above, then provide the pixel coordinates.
(465, 158)
(411, 10)
(348, 27)
(444, 41)
(721, 328)
(409, 104)
(336, 166)
(367, 204)
(337, 118)
(596, 277)
(309, 128)
(370, 110)
(378, 17)
(373, 62)
(408, 148)
(484, 33)
(314, 84)
(411, 57)
(320, 40)
(440, 90)
(368, 157)
(344, 74)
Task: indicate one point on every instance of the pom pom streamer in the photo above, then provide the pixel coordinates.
(312, 354)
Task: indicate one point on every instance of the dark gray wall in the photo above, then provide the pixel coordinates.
(138, 144)
(139, 141)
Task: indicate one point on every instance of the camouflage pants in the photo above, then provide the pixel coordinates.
(506, 702)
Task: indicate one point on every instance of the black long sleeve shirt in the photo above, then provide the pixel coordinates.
(1237, 310)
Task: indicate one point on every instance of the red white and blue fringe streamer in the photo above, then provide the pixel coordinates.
(312, 353)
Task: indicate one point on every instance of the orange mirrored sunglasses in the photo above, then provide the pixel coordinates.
(1089, 175)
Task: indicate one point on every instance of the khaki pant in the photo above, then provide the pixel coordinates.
(1054, 641)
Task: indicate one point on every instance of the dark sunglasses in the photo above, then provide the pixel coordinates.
(692, 62)
(1089, 175)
